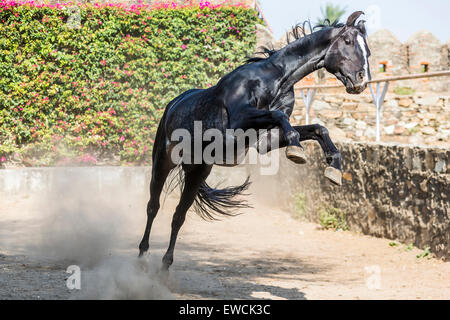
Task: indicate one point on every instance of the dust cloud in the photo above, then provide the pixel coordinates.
(124, 278)
(99, 232)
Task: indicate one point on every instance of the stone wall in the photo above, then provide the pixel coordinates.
(386, 49)
(420, 119)
(396, 192)
(424, 50)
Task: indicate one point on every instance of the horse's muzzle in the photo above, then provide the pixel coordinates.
(356, 89)
(357, 84)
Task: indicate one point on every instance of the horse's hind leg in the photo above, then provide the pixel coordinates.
(194, 176)
(160, 171)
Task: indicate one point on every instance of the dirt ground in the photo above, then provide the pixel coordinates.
(262, 254)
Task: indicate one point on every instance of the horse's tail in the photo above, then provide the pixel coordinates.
(211, 203)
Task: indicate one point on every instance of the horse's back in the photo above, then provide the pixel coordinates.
(180, 98)
(191, 106)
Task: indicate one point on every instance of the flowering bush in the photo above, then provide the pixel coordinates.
(93, 90)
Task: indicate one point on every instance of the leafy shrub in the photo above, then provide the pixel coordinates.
(97, 90)
(404, 91)
(425, 253)
(333, 218)
(300, 205)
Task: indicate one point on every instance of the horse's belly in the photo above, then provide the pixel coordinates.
(229, 153)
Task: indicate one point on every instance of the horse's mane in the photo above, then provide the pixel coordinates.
(298, 31)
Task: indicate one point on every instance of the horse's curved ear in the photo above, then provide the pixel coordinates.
(361, 26)
(351, 20)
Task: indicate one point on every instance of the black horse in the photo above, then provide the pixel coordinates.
(257, 95)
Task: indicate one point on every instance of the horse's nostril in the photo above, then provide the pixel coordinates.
(360, 76)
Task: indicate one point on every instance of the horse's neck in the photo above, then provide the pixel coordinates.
(301, 57)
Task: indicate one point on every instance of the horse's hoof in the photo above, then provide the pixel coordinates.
(296, 154)
(334, 175)
(141, 253)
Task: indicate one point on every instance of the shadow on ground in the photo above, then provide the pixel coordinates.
(197, 273)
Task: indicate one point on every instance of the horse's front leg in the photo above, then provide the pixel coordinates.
(273, 140)
(248, 117)
(332, 155)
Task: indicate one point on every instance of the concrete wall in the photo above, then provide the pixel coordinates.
(41, 181)
(396, 192)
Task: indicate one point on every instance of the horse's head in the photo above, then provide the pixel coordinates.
(347, 56)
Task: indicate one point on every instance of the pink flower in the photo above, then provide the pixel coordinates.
(103, 62)
(204, 4)
(122, 138)
(183, 46)
(2, 159)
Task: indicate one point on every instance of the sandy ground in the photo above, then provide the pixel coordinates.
(262, 254)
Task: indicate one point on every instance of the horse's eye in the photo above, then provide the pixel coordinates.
(347, 41)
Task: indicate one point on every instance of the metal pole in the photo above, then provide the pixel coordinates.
(378, 137)
(305, 101)
(377, 106)
(308, 100)
(308, 105)
(378, 99)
